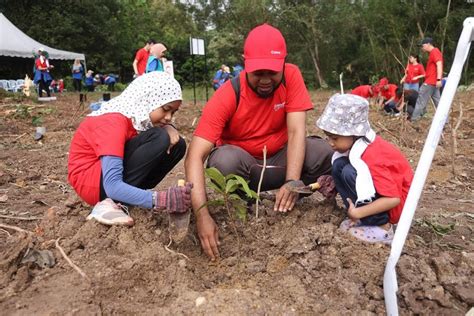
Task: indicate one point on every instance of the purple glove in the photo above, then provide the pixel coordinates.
(328, 187)
(176, 199)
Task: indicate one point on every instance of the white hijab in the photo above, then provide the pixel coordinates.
(144, 95)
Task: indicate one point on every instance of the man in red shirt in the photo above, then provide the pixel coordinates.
(271, 113)
(365, 91)
(141, 58)
(389, 99)
(433, 75)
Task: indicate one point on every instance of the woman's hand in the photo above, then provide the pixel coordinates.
(174, 136)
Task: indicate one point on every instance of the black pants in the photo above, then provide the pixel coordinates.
(43, 86)
(146, 161)
(77, 85)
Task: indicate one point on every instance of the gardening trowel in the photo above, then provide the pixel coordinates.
(179, 222)
(310, 188)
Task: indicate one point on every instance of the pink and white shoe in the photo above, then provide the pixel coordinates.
(373, 234)
(109, 213)
(348, 224)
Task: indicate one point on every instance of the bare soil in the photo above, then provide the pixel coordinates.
(295, 263)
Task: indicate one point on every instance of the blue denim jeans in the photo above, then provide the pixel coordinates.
(344, 175)
(411, 86)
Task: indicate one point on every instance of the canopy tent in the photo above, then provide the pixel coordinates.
(15, 43)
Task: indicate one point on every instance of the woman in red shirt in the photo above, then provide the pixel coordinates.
(413, 73)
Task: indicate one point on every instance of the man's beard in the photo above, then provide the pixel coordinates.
(264, 95)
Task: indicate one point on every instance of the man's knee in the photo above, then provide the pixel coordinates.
(227, 159)
(318, 156)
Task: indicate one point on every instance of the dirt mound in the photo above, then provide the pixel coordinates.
(295, 263)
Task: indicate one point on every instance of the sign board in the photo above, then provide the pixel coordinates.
(168, 67)
(196, 46)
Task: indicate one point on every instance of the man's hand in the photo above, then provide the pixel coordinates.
(439, 84)
(208, 235)
(285, 199)
(174, 136)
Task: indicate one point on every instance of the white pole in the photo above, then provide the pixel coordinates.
(340, 81)
(390, 285)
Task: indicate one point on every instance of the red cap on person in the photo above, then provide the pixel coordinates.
(383, 81)
(264, 48)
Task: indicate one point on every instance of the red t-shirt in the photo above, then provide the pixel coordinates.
(363, 91)
(39, 64)
(96, 136)
(391, 173)
(142, 58)
(435, 56)
(414, 71)
(257, 121)
(390, 92)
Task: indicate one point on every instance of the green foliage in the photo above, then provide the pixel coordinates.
(436, 227)
(37, 120)
(22, 111)
(226, 187)
(358, 38)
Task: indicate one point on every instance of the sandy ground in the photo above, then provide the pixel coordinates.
(295, 263)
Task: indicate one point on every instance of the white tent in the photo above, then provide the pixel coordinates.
(15, 43)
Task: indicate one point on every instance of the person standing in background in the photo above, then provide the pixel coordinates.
(434, 74)
(42, 76)
(77, 74)
(413, 73)
(155, 62)
(141, 58)
(89, 80)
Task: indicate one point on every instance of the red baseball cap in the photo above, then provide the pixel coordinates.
(383, 81)
(264, 48)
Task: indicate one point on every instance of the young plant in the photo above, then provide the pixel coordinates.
(226, 187)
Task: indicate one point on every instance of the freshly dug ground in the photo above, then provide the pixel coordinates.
(295, 263)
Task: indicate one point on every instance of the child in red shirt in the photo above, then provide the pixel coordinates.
(127, 147)
(371, 175)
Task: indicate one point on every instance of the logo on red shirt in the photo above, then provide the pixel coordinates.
(278, 106)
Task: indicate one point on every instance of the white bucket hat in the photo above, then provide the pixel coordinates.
(345, 115)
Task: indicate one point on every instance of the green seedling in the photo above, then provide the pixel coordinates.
(226, 187)
(22, 111)
(37, 120)
(439, 229)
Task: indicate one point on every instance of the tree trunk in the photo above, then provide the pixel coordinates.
(315, 58)
(445, 25)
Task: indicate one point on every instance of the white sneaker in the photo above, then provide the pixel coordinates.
(397, 114)
(109, 213)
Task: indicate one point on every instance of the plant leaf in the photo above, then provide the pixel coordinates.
(211, 203)
(214, 186)
(235, 197)
(231, 186)
(216, 176)
(245, 187)
(240, 211)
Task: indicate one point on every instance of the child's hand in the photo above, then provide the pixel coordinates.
(352, 210)
(174, 136)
